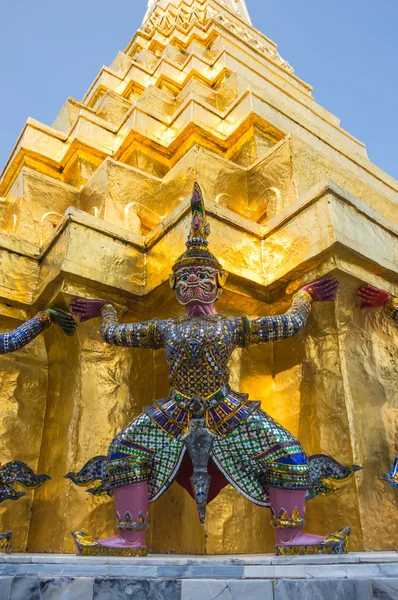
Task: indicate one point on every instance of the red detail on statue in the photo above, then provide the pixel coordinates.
(289, 500)
(196, 222)
(323, 290)
(87, 309)
(372, 297)
(218, 481)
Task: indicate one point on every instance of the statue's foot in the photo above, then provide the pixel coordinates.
(305, 543)
(114, 546)
(304, 539)
(117, 541)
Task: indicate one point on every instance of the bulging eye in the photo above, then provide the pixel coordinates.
(185, 278)
(202, 276)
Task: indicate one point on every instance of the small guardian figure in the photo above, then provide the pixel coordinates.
(205, 434)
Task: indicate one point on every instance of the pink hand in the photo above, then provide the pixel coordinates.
(87, 309)
(323, 290)
(372, 297)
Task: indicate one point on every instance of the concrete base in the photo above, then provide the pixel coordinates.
(362, 576)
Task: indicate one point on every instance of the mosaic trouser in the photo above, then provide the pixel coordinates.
(372, 297)
(205, 434)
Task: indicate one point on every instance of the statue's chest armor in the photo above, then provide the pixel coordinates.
(199, 340)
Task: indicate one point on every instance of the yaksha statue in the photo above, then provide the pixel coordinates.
(26, 333)
(205, 433)
(372, 297)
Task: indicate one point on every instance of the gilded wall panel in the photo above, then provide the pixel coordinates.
(310, 167)
(23, 398)
(225, 109)
(36, 204)
(370, 371)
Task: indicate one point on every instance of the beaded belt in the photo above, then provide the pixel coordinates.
(198, 406)
(224, 411)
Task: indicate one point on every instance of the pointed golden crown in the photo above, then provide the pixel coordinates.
(197, 252)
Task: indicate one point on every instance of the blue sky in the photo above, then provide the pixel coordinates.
(346, 49)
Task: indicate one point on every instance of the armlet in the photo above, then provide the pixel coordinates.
(246, 331)
(304, 296)
(44, 317)
(154, 335)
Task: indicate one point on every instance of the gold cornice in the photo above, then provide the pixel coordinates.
(326, 194)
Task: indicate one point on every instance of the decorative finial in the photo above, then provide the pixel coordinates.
(237, 6)
(197, 252)
(200, 228)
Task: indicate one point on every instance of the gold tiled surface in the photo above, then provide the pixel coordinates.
(97, 206)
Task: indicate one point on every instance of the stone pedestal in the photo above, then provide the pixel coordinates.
(362, 576)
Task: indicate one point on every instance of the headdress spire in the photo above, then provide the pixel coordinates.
(197, 252)
(200, 228)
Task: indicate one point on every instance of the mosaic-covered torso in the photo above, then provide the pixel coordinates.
(198, 350)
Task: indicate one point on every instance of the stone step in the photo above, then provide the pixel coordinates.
(356, 576)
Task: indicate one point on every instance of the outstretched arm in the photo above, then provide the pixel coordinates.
(372, 297)
(271, 329)
(23, 335)
(133, 335)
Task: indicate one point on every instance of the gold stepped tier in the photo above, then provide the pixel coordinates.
(202, 94)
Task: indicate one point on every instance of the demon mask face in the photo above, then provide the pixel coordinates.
(197, 283)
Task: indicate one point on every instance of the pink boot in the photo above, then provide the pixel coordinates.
(288, 508)
(132, 512)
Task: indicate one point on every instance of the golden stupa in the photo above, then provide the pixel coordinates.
(98, 206)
